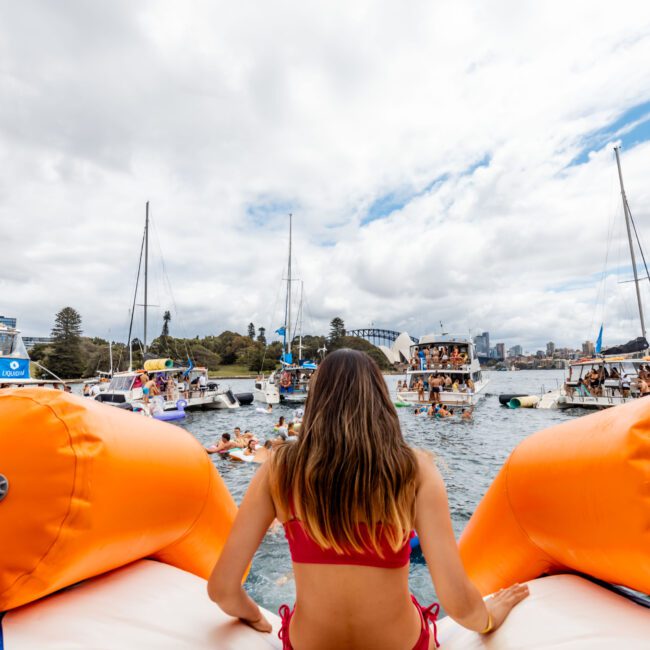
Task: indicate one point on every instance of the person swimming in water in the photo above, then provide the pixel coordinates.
(223, 445)
(349, 522)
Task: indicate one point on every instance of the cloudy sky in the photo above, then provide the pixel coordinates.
(444, 161)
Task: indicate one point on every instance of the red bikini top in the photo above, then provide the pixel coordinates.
(304, 550)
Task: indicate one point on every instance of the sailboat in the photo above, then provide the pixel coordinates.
(612, 376)
(192, 387)
(290, 383)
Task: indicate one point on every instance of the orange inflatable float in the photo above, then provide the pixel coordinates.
(96, 488)
(572, 498)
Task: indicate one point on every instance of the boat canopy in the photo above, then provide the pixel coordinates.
(639, 344)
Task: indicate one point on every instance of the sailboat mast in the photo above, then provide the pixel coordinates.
(302, 286)
(287, 321)
(626, 211)
(110, 356)
(146, 269)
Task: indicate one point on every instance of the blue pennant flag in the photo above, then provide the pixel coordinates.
(281, 331)
(599, 340)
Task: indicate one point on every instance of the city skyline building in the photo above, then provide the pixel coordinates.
(550, 349)
(8, 321)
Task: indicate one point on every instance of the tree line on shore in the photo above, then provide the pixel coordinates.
(71, 355)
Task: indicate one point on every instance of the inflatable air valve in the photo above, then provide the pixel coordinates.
(93, 488)
(572, 498)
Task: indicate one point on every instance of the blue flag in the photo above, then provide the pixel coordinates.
(281, 331)
(599, 340)
(190, 366)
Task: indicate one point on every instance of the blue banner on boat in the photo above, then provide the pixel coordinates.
(287, 357)
(14, 368)
(281, 331)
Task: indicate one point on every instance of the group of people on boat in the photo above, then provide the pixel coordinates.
(435, 384)
(429, 357)
(609, 382)
(171, 385)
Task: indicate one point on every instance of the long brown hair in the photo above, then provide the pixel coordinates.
(350, 465)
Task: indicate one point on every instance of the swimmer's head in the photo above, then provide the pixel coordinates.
(226, 437)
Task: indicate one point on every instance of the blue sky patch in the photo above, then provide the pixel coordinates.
(396, 200)
(631, 128)
(263, 213)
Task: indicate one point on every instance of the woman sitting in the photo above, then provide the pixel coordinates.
(349, 493)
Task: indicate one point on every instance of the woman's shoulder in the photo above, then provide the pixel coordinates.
(426, 467)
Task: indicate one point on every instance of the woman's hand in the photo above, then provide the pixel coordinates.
(503, 601)
(260, 624)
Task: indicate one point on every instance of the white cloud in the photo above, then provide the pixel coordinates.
(226, 116)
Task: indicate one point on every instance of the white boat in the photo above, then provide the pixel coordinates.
(290, 383)
(126, 387)
(614, 378)
(200, 394)
(444, 355)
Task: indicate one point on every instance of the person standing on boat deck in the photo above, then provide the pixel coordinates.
(349, 522)
(625, 385)
(203, 383)
(432, 388)
(420, 387)
(435, 357)
(470, 385)
(170, 386)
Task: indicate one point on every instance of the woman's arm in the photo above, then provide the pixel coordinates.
(458, 596)
(255, 515)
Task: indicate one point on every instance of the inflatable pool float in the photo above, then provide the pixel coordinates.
(93, 501)
(523, 402)
(238, 454)
(172, 414)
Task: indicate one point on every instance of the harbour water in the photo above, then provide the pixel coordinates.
(469, 455)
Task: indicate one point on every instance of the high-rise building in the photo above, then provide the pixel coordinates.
(482, 343)
(588, 348)
(9, 322)
(515, 351)
(550, 349)
(501, 350)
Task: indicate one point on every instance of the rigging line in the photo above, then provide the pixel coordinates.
(273, 316)
(171, 293)
(613, 219)
(135, 293)
(637, 240)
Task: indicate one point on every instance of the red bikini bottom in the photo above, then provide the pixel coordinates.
(427, 615)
